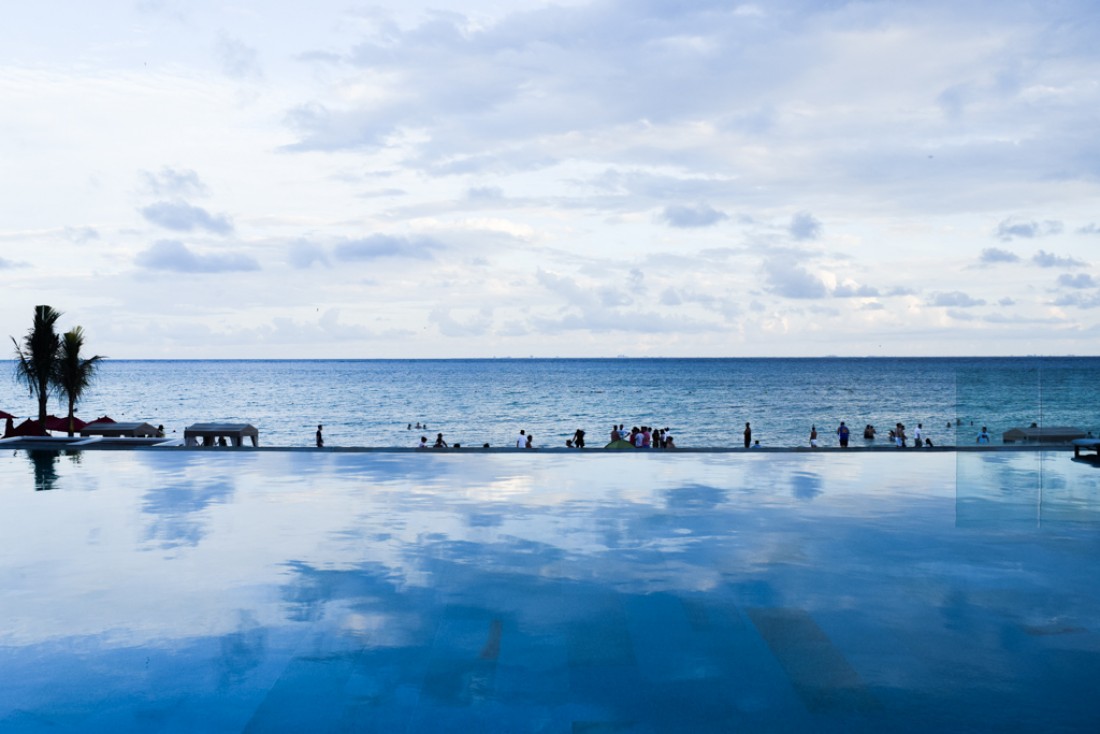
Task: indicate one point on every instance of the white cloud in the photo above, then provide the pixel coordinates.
(475, 324)
(992, 255)
(173, 182)
(1010, 229)
(484, 193)
(1078, 299)
(791, 280)
(855, 290)
(238, 60)
(956, 299)
(804, 226)
(82, 235)
(1047, 260)
(415, 170)
(174, 256)
(1081, 280)
(692, 216)
(376, 246)
(180, 216)
(303, 254)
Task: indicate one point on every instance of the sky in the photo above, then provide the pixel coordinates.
(334, 179)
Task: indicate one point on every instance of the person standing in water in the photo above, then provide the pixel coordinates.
(320, 438)
(843, 433)
(748, 435)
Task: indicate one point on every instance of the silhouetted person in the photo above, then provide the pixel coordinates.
(320, 438)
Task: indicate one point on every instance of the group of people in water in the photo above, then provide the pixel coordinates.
(640, 438)
(646, 437)
(897, 435)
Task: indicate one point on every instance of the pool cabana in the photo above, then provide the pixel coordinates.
(1046, 434)
(119, 430)
(213, 434)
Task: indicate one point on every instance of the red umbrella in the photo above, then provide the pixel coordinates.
(5, 416)
(104, 419)
(28, 427)
(53, 423)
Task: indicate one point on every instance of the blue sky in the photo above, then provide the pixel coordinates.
(341, 179)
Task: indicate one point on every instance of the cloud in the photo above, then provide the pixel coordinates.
(81, 235)
(596, 310)
(484, 193)
(1010, 229)
(1078, 299)
(566, 287)
(1048, 260)
(1001, 318)
(854, 290)
(238, 61)
(377, 246)
(670, 297)
(872, 306)
(804, 226)
(991, 255)
(174, 256)
(477, 324)
(302, 254)
(179, 216)
(1081, 280)
(632, 321)
(955, 299)
(678, 296)
(701, 215)
(1089, 228)
(6, 264)
(1006, 301)
(173, 182)
(790, 280)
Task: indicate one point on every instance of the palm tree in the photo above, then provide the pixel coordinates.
(36, 360)
(74, 374)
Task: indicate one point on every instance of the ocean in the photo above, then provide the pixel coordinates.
(703, 402)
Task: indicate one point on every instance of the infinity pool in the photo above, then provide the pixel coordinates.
(299, 591)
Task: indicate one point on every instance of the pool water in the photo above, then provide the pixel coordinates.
(405, 592)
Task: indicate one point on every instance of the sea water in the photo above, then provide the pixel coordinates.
(703, 402)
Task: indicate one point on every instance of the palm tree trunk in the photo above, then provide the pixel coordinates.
(72, 404)
(43, 396)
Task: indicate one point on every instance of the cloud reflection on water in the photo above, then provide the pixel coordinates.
(351, 558)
